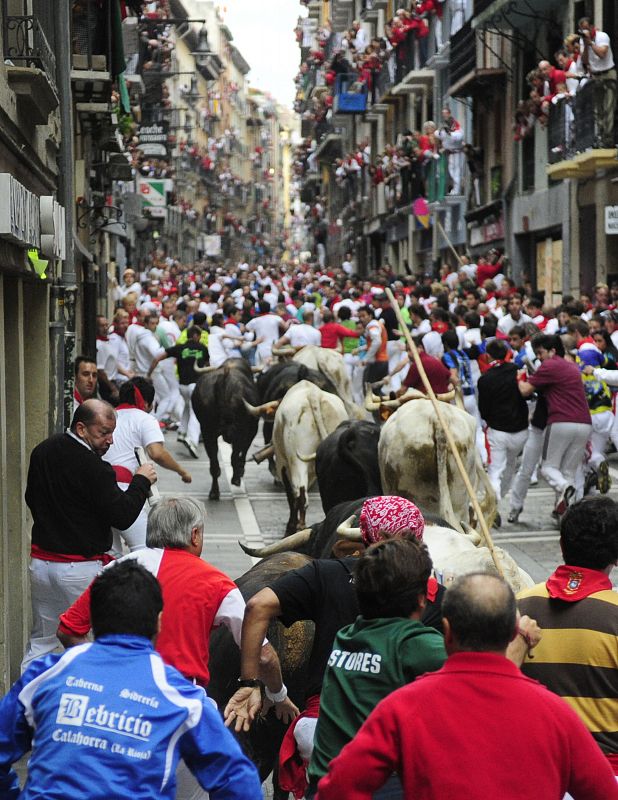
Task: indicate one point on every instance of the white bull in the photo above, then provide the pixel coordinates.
(416, 461)
(305, 417)
(330, 363)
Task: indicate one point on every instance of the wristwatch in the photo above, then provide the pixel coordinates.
(251, 683)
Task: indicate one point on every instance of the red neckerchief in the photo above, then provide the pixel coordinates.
(139, 401)
(117, 332)
(77, 396)
(102, 339)
(498, 362)
(575, 583)
(432, 589)
(586, 340)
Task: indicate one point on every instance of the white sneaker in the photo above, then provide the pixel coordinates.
(191, 448)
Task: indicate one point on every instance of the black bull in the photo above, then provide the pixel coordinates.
(293, 646)
(218, 404)
(347, 463)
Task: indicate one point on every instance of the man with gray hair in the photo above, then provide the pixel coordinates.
(197, 597)
(477, 727)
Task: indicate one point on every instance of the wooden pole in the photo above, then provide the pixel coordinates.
(448, 241)
(447, 432)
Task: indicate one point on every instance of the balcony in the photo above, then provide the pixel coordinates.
(580, 138)
(350, 95)
(32, 72)
(477, 61)
(91, 36)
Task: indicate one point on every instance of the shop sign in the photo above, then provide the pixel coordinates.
(153, 192)
(611, 220)
(153, 138)
(53, 228)
(483, 234)
(19, 213)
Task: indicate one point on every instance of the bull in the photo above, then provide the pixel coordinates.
(330, 363)
(218, 403)
(304, 418)
(416, 463)
(449, 549)
(272, 386)
(293, 646)
(346, 463)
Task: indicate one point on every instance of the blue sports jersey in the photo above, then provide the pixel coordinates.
(111, 720)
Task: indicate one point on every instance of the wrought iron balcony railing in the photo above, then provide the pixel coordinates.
(582, 122)
(25, 44)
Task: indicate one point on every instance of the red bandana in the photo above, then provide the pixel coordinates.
(389, 515)
(77, 396)
(139, 401)
(576, 583)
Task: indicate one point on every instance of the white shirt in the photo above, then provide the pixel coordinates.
(265, 326)
(120, 350)
(303, 334)
(216, 350)
(347, 267)
(106, 359)
(170, 329)
(507, 322)
(353, 305)
(597, 64)
(134, 428)
(144, 348)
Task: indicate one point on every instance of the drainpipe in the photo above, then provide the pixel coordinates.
(64, 293)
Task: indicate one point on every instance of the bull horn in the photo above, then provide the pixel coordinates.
(265, 408)
(203, 369)
(307, 458)
(287, 543)
(447, 396)
(282, 351)
(371, 404)
(256, 369)
(346, 531)
(390, 403)
(264, 453)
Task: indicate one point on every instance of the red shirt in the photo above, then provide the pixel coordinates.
(333, 332)
(560, 381)
(193, 591)
(439, 375)
(475, 729)
(486, 272)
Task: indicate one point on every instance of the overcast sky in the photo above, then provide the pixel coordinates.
(263, 31)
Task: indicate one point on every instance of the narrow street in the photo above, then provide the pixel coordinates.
(256, 513)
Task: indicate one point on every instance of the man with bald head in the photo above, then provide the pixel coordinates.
(75, 500)
(476, 728)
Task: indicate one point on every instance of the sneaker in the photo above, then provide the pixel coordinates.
(534, 479)
(191, 448)
(514, 515)
(565, 499)
(604, 482)
(181, 437)
(590, 482)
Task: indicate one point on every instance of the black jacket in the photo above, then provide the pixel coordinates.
(74, 498)
(500, 402)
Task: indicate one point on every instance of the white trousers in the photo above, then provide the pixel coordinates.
(455, 171)
(503, 451)
(169, 401)
(563, 453)
(355, 370)
(529, 461)
(471, 406)
(54, 586)
(135, 535)
(304, 734)
(394, 350)
(602, 424)
(189, 424)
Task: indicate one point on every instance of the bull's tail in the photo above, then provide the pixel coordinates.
(442, 452)
(489, 502)
(316, 410)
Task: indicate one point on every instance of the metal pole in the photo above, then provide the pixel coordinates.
(61, 365)
(447, 432)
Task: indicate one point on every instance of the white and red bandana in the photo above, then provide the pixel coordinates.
(389, 515)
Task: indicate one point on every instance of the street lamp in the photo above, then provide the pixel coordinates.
(202, 52)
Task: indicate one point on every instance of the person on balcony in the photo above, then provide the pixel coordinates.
(598, 59)
(451, 136)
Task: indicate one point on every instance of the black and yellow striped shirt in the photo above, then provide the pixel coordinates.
(577, 657)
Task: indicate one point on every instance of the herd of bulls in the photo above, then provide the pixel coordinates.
(313, 430)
